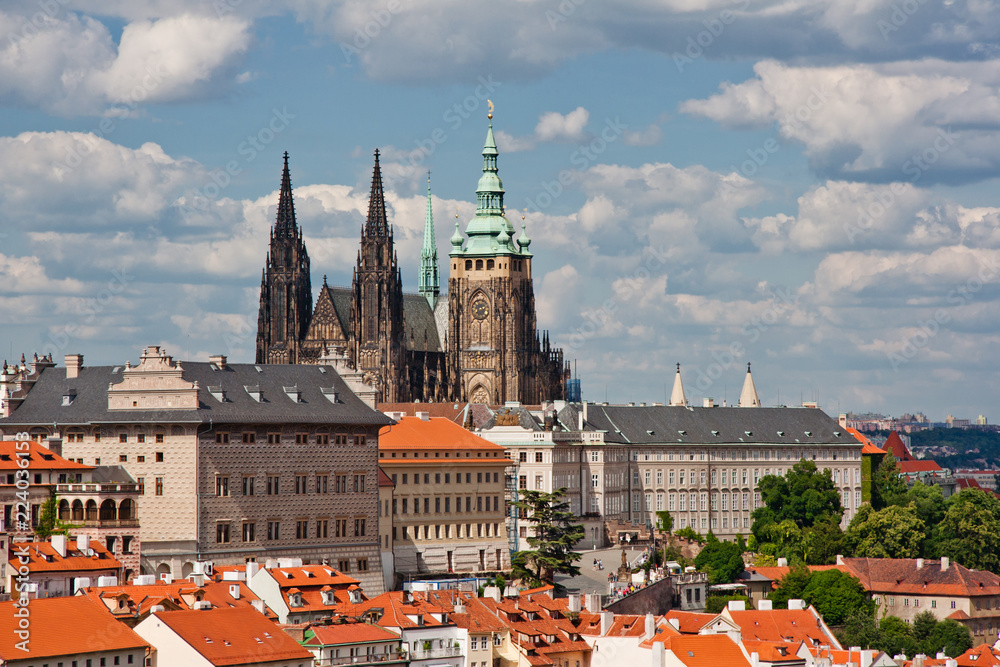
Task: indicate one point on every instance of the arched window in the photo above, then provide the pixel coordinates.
(126, 511)
(468, 265)
(91, 510)
(479, 265)
(489, 264)
(78, 510)
(64, 510)
(109, 512)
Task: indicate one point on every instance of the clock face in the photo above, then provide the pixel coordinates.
(480, 309)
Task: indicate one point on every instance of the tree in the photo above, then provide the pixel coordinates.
(48, 521)
(887, 485)
(555, 535)
(722, 560)
(804, 495)
(790, 587)
(948, 636)
(666, 521)
(970, 530)
(714, 604)
(822, 542)
(893, 532)
(860, 629)
(835, 595)
(896, 636)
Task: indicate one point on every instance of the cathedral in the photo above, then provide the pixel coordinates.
(476, 343)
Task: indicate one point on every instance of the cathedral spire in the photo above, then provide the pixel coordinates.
(677, 395)
(748, 397)
(429, 283)
(284, 225)
(377, 224)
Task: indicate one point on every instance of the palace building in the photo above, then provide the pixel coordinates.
(478, 343)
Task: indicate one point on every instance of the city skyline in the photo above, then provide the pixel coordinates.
(805, 186)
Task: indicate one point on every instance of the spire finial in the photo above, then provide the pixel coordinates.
(748, 367)
(678, 367)
(490, 114)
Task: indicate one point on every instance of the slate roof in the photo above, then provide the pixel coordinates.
(418, 318)
(675, 424)
(43, 404)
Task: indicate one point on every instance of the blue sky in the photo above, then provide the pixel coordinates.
(809, 185)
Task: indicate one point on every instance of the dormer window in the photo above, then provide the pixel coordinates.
(67, 398)
(331, 394)
(295, 599)
(254, 391)
(293, 393)
(218, 394)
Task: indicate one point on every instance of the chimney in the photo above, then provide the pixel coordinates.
(234, 591)
(583, 416)
(74, 362)
(54, 445)
(83, 543)
(219, 360)
(424, 416)
(867, 658)
(573, 604)
(59, 544)
(764, 605)
(676, 622)
(945, 562)
(650, 626)
(840, 560)
(918, 660)
(754, 659)
(920, 563)
(198, 580)
(659, 654)
(258, 605)
(782, 562)
(796, 604)
(593, 602)
(253, 567)
(607, 619)
(708, 403)
(738, 605)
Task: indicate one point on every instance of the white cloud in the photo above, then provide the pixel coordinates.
(926, 121)
(571, 127)
(69, 65)
(508, 143)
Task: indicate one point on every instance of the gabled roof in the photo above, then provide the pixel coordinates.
(231, 636)
(895, 446)
(384, 479)
(915, 465)
(983, 655)
(868, 447)
(348, 633)
(779, 652)
(435, 433)
(311, 576)
(39, 458)
(689, 622)
(659, 424)
(43, 557)
(64, 626)
(181, 593)
(706, 651)
(43, 404)
(902, 576)
(782, 625)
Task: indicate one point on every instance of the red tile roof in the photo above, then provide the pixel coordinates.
(915, 466)
(776, 574)
(349, 633)
(39, 458)
(782, 625)
(902, 576)
(64, 626)
(706, 651)
(777, 652)
(869, 447)
(384, 479)
(232, 636)
(983, 655)
(42, 557)
(181, 593)
(433, 434)
(690, 622)
(312, 576)
(894, 445)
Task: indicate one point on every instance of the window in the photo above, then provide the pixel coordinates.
(538, 457)
(273, 485)
(746, 501)
(141, 483)
(362, 565)
(322, 528)
(123, 458)
(159, 486)
(300, 484)
(301, 438)
(222, 533)
(340, 484)
(141, 437)
(594, 456)
(359, 527)
(344, 565)
(221, 486)
(359, 484)
(646, 477)
(140, 459)
(123, 437)
(670, 502)
(273, 530)
(341, 527)
(595, 481)
(301, 529)
(159, 438)
(222, 438)
(322, 483)
(249, 531)
(249, 437)
(648, 502)
(659, 502)
(159, 457)
(523, 457)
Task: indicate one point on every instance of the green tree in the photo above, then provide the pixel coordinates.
(822, 542)
(48, 520)
(970, 530)
(923, 625)
(835, 595)
(860, 629)
(722, 560)
(666, 522)
(687, 532)
(895, 637)
(790, 587)
(887, 485)
(555, 535)
(804, 495)
(949, 636)
(893, 532)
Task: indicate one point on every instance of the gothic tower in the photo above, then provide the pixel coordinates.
(376, 339)
(494, 350)
(429, 285)
(285, 290)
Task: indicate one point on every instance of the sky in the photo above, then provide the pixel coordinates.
(807, 185)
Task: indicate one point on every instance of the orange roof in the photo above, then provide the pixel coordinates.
(231, 636)
(779, 651)
(902, 576)
(435, 433)
(64, 626)
(689, 622)
(836, 657)
(782, 625)
(39, 458)
(869, 446)
(980, 656)
(183, 593)
(915, 465)
(706, 651)
(349, 633)
(311, 576)
(452, 411)
(42, 557)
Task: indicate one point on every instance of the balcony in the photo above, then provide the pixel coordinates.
(93, 487)
(361, 660)
(107, 523)
(425, 654)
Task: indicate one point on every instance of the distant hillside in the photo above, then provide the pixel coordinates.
(958, 447)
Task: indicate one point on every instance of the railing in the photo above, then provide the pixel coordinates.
(361, 660)
(447, 652)
(104, 523)
(87, 487)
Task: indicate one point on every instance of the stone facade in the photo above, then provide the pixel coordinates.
(275, 461)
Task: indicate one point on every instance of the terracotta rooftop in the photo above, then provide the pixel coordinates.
(43, 557)
(917, 465)
(232, 636)
(689, 622)
(348, 633)
(902, 576)
(433, 434)
(706, 651)
(782, 625)
(180, 593)
(983, 655)
(869, 447)
(894, 445)
(384, 479)
(64, 626)
(39, 458)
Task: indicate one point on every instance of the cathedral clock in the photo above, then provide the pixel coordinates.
(480, 309)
